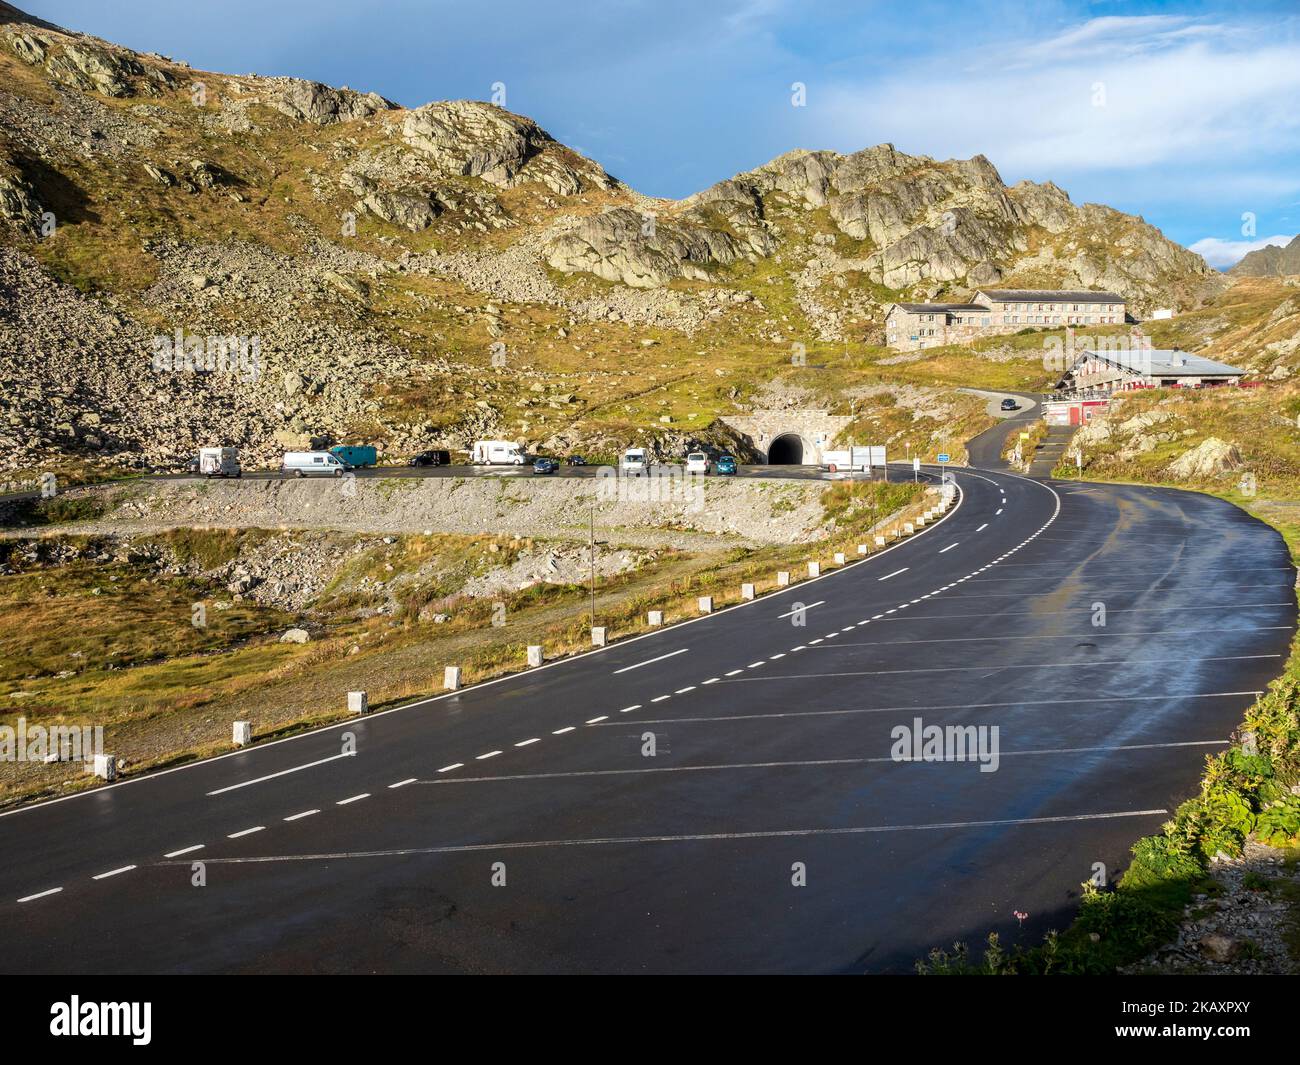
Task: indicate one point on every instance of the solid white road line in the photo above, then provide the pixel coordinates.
(650, 661)
(894, 574)
(113, 872)
(40, 894)
(726, 719)
(785, 833)
(985, 665)
(353, 798)
(804, 763)
(789, 613)
(184, 850)
(1056, 636)
(283, 772)
(299, 817)
(246, 832)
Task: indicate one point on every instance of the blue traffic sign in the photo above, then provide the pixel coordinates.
(943, 456)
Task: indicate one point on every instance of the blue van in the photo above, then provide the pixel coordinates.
(354, 456)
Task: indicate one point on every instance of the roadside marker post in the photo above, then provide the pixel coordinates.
(746, 591)
(706, 604)
(783, 578)
(598, 636)
(534, 655)
(243, 734)
(655, 618)
(358, 703)
(451, 678)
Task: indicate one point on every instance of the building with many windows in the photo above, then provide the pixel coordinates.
(909, 326)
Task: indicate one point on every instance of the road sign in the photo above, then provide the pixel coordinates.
(943, 456)
(916, 464)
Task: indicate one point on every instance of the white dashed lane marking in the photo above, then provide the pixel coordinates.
(299, 817)
(40, 894)
(894, 574)
(113, 872)
(184, 850)
(353, 798)
(246, 832)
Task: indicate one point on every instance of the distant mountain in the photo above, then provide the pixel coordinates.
(1270, 261)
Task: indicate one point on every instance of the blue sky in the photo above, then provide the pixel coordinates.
(1184, 113)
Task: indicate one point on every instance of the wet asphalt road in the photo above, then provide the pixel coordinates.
(719, 796)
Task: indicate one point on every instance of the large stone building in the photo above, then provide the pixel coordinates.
(911, 326)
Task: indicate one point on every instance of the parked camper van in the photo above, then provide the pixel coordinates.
(633, 462)
(496, 453)
(302, 463)
(219, 462)
(355, 455)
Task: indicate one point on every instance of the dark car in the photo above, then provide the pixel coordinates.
(576, 460)
(431, 458)
(545, 465)
(1010, 404)
(725, 465)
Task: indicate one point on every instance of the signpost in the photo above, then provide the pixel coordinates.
(943, 457)
(916, 468)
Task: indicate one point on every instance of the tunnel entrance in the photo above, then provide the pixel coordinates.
(786, 450)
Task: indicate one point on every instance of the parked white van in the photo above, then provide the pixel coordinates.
(301, 463)
(496, 453)
(633, 463)
(697, 462)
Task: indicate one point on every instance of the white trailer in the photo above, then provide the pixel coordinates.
(854, 459)
(219, 462)
(496, 453)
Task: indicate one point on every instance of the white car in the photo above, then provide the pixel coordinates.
(634, 462)
(697, 462)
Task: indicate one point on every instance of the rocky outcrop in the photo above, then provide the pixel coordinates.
(481, 140)
(638, 250)
(310, 101)
(1210, 458)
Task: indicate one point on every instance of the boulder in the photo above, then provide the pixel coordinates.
(1212, 457)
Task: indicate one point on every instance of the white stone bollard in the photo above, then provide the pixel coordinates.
(105, 766)
(862, 549)
(358, 703)
(839, 558)
(783, 579)
(908, 528)
(706, 604)
(814, 569)
(746, 591)
(243, 734)
(920, 521)
(880, 541)
(534, 655)
(598, 636)
(655, 617)
(451, 678)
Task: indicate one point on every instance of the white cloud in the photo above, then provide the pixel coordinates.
(1224, 253)
(1174, 91)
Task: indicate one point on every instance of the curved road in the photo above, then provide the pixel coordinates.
(720, 795)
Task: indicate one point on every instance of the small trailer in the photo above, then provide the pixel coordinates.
(219, 462)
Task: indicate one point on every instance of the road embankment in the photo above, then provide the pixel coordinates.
(671, 510)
